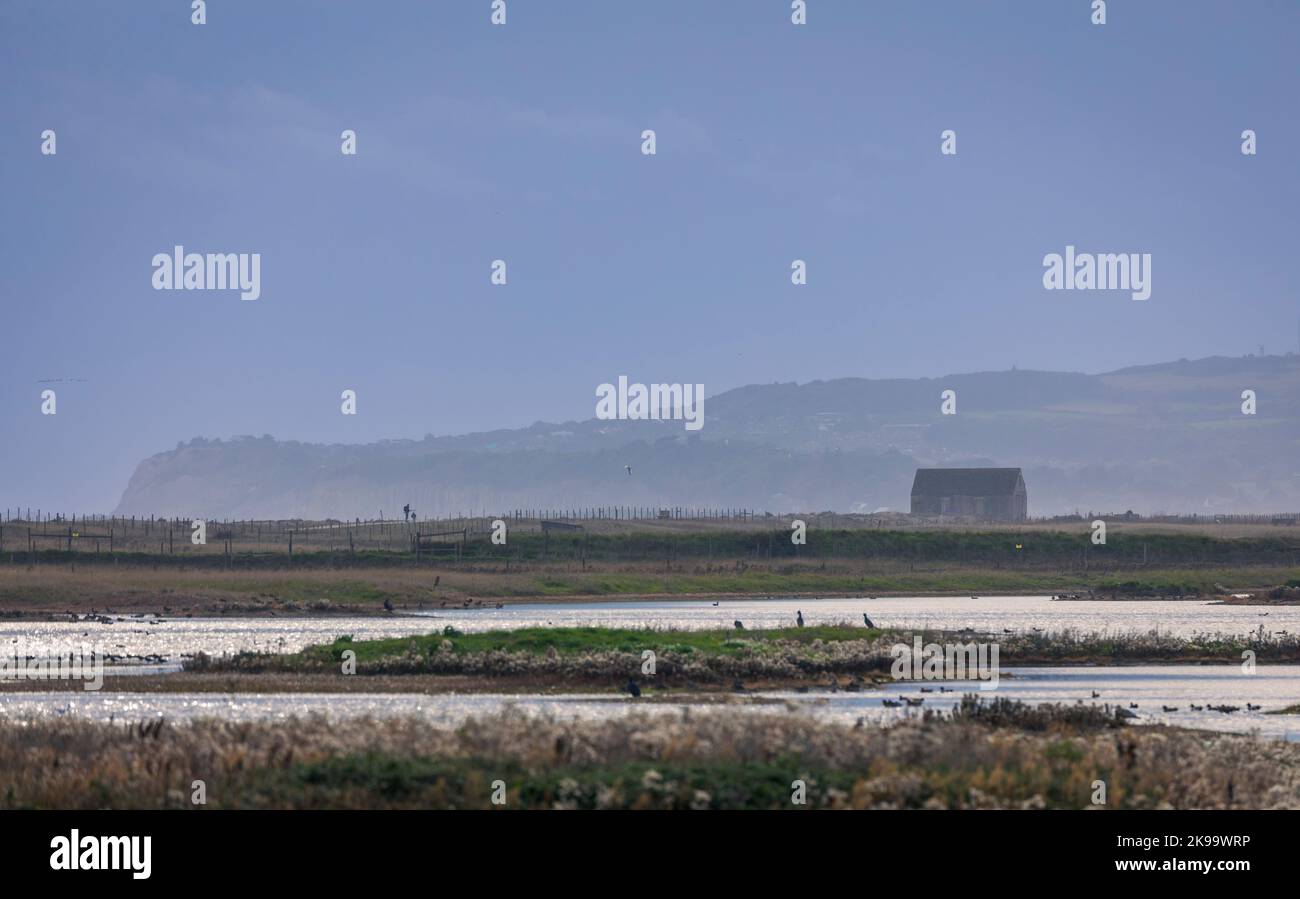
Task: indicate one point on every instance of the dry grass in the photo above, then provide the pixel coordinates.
(47, 589)
(722, 759)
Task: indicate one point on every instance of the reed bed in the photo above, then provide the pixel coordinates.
(982, 757)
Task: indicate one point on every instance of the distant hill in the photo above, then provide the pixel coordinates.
(1168, 437)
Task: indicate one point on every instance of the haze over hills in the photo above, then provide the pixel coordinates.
(1158, 438)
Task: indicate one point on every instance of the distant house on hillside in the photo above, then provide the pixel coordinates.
(991, 494)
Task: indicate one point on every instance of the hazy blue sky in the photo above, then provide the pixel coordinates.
(522, 142)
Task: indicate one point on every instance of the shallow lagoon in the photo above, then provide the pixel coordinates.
(1151, 687)
(172, 639)
(167, 642)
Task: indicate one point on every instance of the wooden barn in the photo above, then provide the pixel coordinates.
(988, 494)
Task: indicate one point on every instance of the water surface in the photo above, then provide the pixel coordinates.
(172, 639)
(1151, 687)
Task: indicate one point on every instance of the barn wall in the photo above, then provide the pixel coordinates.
(1012, 507)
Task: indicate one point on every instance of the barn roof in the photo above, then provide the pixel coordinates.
(966, 481)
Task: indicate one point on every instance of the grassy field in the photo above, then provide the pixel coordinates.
(577, 640)
(50, 589)
(1024, 546)
(640, 561)
(1001, 755)
(607, 658)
